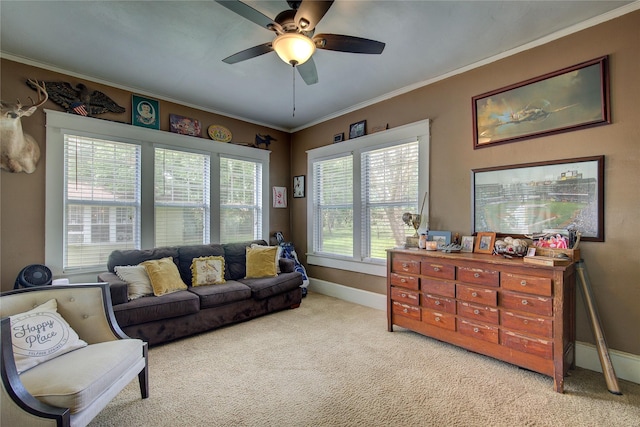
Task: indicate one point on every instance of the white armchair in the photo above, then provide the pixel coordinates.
(71, 389)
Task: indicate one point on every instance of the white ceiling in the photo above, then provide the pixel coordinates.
(173, 50)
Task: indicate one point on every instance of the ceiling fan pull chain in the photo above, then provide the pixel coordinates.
(294, 89)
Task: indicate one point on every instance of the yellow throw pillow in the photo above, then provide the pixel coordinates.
(261, 262)
(164, 276)
(278, 254)
(207, 270)
(41, 334)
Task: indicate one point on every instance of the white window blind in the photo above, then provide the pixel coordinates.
(389, 188)
(333, 206)
(101, 200)
(181, 190)
(240, 200)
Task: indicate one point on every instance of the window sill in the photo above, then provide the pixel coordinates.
(367, 267)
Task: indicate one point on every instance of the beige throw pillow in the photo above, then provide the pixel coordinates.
(164, 276)
(41, 334)
(207, 270)
(278, 254)
(138, 283)
(261, 262)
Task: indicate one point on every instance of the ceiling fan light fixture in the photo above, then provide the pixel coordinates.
(294, 48)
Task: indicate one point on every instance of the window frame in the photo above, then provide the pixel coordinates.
(58, 124)
(417, 131)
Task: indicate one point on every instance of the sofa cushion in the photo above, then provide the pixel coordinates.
(187, 253)
(77, 379)
(137, 256)
(215, 295)
(41, 334)
(148, 309)
(164, 276)
(267, 287)
(235, 258)
(207, 270)
(261, 261)
(137, 280)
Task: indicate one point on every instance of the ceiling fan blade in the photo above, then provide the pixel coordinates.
(252, 52)
(350, 44)
(310, 13)
(308, 72)
(249, 13)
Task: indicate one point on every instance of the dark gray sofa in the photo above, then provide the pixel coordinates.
(201, 308)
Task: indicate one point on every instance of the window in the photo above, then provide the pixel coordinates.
(102, 191)
(115, 186)
(181, 189)
(359, 190)
(240, 200)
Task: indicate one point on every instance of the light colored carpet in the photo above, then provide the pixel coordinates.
(333, 363)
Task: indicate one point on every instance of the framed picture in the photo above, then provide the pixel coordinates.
(442, 237)
(467, 243)
(530, 198)
(357, 129)
(145, 112)
(279, 197)
(184, 125)
(298, 186)
(569, 99)
(339, 137)
(531, 251)
(485, 242)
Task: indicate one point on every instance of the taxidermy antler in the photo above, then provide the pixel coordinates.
(19, 152)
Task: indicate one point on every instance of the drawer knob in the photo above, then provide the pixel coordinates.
(437, 302)
(403, 280)
(523, 283)
(525, 302)
(474, 294)
(406, 310)
(476, 311)
(405, 265)
(476, 330)
(476, 275)
(403, 295)
(437, 318)
(526, 322)
(436, 268)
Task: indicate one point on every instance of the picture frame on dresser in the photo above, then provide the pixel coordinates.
(442, 237)
(485, 242)
(467, 243)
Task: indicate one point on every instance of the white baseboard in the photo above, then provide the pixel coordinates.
(626, 365)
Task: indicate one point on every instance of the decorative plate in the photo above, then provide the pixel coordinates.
(219, 133)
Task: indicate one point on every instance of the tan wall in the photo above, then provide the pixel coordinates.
(22, 196)
(614, 265)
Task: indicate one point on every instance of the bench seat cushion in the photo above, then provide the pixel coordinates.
(270, 286)
(148, 309)
(76, 379)
(225, 293)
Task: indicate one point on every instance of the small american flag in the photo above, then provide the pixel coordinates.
(79, 108)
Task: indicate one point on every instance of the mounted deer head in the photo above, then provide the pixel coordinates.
(19, 152)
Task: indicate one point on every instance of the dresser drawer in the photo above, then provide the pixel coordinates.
(478, 331)
(436, 269)
(528, 284)
(525, 344)
(529, 324)
(528, 303)
(478, 276)
(439, 319)
(409, 282)
(406, 310)
(478, 312)
(405, 265)
(477, 295)
(405, 296)
(437, 303)
(438, 287)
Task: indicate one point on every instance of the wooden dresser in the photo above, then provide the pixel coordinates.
(520, 313)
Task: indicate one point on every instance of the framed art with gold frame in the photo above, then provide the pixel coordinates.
(485, 242)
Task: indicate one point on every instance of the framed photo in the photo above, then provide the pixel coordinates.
(279, 197)
(573, 98)
(531, 251)
(530, 198)
(184, 125)
(442, 237)
(298, 186)
(467, 243)
(145, 112)
(339, 137)
(485, 242)
(357, 129)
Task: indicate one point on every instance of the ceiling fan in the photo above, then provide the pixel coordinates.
(295, 42)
